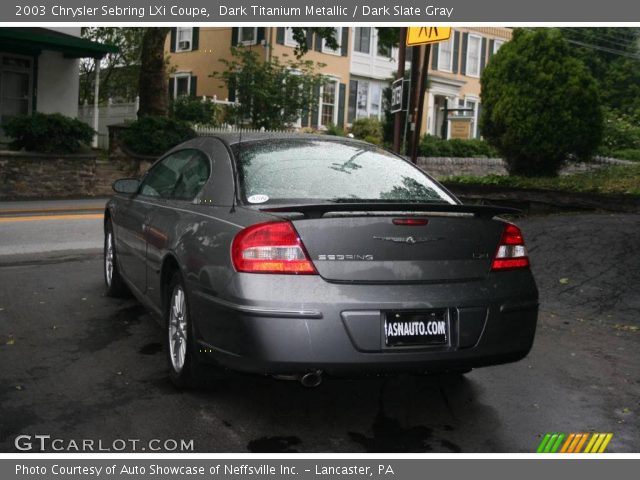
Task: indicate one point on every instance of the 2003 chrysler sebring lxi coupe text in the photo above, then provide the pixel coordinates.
(295, 255)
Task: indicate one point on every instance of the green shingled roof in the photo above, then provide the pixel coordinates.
(35, 40)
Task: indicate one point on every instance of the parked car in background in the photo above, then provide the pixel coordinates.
(299, 255)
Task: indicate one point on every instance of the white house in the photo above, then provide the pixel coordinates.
(39, 69)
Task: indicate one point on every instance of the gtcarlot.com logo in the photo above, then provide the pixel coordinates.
(574, 442)
(46, 443)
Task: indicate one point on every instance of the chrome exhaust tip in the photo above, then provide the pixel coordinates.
(311, 379)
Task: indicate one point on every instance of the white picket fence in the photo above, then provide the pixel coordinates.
(113, 113)
(109, 114)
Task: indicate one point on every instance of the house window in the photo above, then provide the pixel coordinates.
(365, 99)
(362, 105)
(376, 99)
(248, 35)
(445, 55)
(16, 86)
(362, 40)
(337, 34)
(289, 41)
(181, 85)
(473, 56)
(473, 104)
(328, 102)
(496, 45)
(184, 39)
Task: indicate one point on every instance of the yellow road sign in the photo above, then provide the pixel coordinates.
(422, 35)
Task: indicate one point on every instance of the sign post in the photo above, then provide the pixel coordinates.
(421, 36)
(398, 117)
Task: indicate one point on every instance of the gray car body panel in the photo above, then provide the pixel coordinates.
(334, 321)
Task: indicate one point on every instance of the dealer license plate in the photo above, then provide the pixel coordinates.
(416, 328)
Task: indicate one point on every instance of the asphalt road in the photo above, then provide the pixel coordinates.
(77, 365)
(48, 228)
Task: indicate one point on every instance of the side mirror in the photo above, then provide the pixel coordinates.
(126, 185)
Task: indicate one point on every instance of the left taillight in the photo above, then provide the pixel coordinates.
(272, 247)
(511, 253)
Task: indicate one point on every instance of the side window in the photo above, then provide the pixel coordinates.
(193, 176)
(163, 177)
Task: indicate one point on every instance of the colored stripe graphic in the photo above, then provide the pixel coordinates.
(543, 443)
(573, 442)
(568, 442)
(581, 443)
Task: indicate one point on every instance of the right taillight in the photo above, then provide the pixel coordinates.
(511, 251)
(272, 247)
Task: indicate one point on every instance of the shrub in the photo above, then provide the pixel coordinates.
(374, 139)
(541, 104)
(368, 129)
(48, 133)
(432, 146)
(336, 130)
(621, 132)
(155, 135)
(194, 110)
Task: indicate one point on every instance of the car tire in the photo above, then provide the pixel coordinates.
(114, 284)
(185, 370)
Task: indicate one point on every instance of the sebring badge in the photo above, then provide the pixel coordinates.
(409, 240)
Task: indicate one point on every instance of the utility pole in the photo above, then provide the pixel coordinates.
(397, 119)
(421, 36)
(424, 84)
(415, 98)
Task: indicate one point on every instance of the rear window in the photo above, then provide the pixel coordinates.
(294, 170)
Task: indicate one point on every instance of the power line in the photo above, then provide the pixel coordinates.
(609, 41)
(612, 47)
(601, 48)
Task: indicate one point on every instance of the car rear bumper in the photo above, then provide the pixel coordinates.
(290, 325)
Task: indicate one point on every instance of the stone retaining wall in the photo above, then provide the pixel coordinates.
(35, 175)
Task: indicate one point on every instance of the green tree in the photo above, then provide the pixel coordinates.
(621, 86)
(540, 104)
(118, 71)
(270, 94)
(612, 54)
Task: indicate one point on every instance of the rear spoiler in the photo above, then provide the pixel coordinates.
(318, 210)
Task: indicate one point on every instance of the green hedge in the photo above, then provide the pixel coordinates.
(155, 135)
(432, 146)
(48, 133)
(368, 129)
(194, 110)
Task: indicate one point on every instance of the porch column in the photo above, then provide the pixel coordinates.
(96, 103)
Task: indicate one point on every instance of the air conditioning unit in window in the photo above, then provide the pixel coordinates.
(184, 45)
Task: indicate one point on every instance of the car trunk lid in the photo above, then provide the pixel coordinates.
(371, 246)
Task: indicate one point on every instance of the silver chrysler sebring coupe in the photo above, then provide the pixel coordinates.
(300, 255)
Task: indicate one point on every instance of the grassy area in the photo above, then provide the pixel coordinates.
(615, 180)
